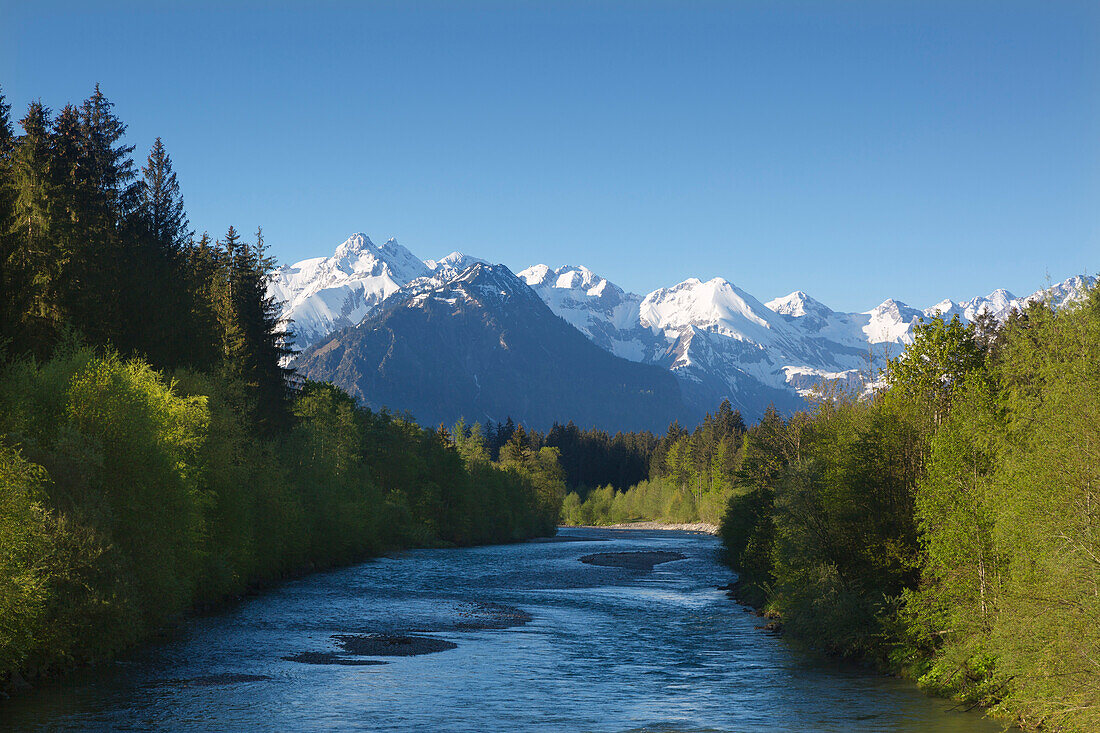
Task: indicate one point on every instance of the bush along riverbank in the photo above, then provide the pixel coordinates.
(949, 527)
(155, 455)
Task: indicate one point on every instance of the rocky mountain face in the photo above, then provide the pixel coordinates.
(716, 339)
(481, 345)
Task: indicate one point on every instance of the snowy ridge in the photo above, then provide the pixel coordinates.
(798, 304)
(324, 294)
(452, 264)
(479, 283)
(593, 305)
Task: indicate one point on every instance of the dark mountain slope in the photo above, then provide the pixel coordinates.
(484, 346)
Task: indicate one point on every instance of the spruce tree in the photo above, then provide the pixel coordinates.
(30, 310)
(7, 134)
(160, 205)
(203, 274)
(101, 302)
(160, 287)
(109, 165)
(70, 197)
(7, 206)
(254, 340)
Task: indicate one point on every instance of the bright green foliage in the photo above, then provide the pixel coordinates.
(131, 499)
(542, 469)
(820, 527)
(24, 578)
(1014, 571)
(748, 526)
(120, 451)
(656, 499)
(845, 541)
(964, 568)
(343, 501)
(691, 477)
(928, 373)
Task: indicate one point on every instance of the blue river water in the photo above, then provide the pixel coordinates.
(541, 642)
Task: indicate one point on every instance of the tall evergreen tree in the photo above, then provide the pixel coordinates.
(203, 276)
(31, 266)
(7, 207)
(109, 166)
(159, 285)
(254, 338)
(7, 134)
(99, 301)
(160, 204)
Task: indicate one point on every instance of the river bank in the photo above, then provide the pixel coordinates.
(701, 527)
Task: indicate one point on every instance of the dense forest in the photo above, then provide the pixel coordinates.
(155, 454)
(681, 476)
(589, 457)
(689, 476)
(948, 527)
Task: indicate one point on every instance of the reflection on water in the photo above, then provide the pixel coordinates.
(517, 637)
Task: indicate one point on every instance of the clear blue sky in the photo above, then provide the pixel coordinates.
(856, 150)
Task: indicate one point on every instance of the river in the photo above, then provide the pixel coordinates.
(541, 642)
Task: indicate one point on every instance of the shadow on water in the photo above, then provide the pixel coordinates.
(598, 630)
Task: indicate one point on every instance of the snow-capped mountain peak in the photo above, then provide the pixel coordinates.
(998, 304)
(358, 255)
(323, 294)
(594, 305)
(456, 261)
(357, 242)
(797, 305)
(577, 278)
(892, 322)
(715, 305)
(480, 283)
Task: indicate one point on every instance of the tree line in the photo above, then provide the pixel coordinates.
(689, 478)
(155, 452)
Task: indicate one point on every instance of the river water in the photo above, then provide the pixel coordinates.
(541, 642)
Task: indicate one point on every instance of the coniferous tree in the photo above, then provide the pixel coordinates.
(101, 300)
(32, 265)
(160, 204)
(255, 342)
(203, 276)
(7, 135)
(160, 286)
(504, 434)
(110, 169)
(8, 315)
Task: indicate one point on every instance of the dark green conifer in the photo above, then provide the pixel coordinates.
(160, 204)
(31, 264)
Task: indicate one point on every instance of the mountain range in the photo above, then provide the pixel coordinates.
(460, 337)
(481, 345)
